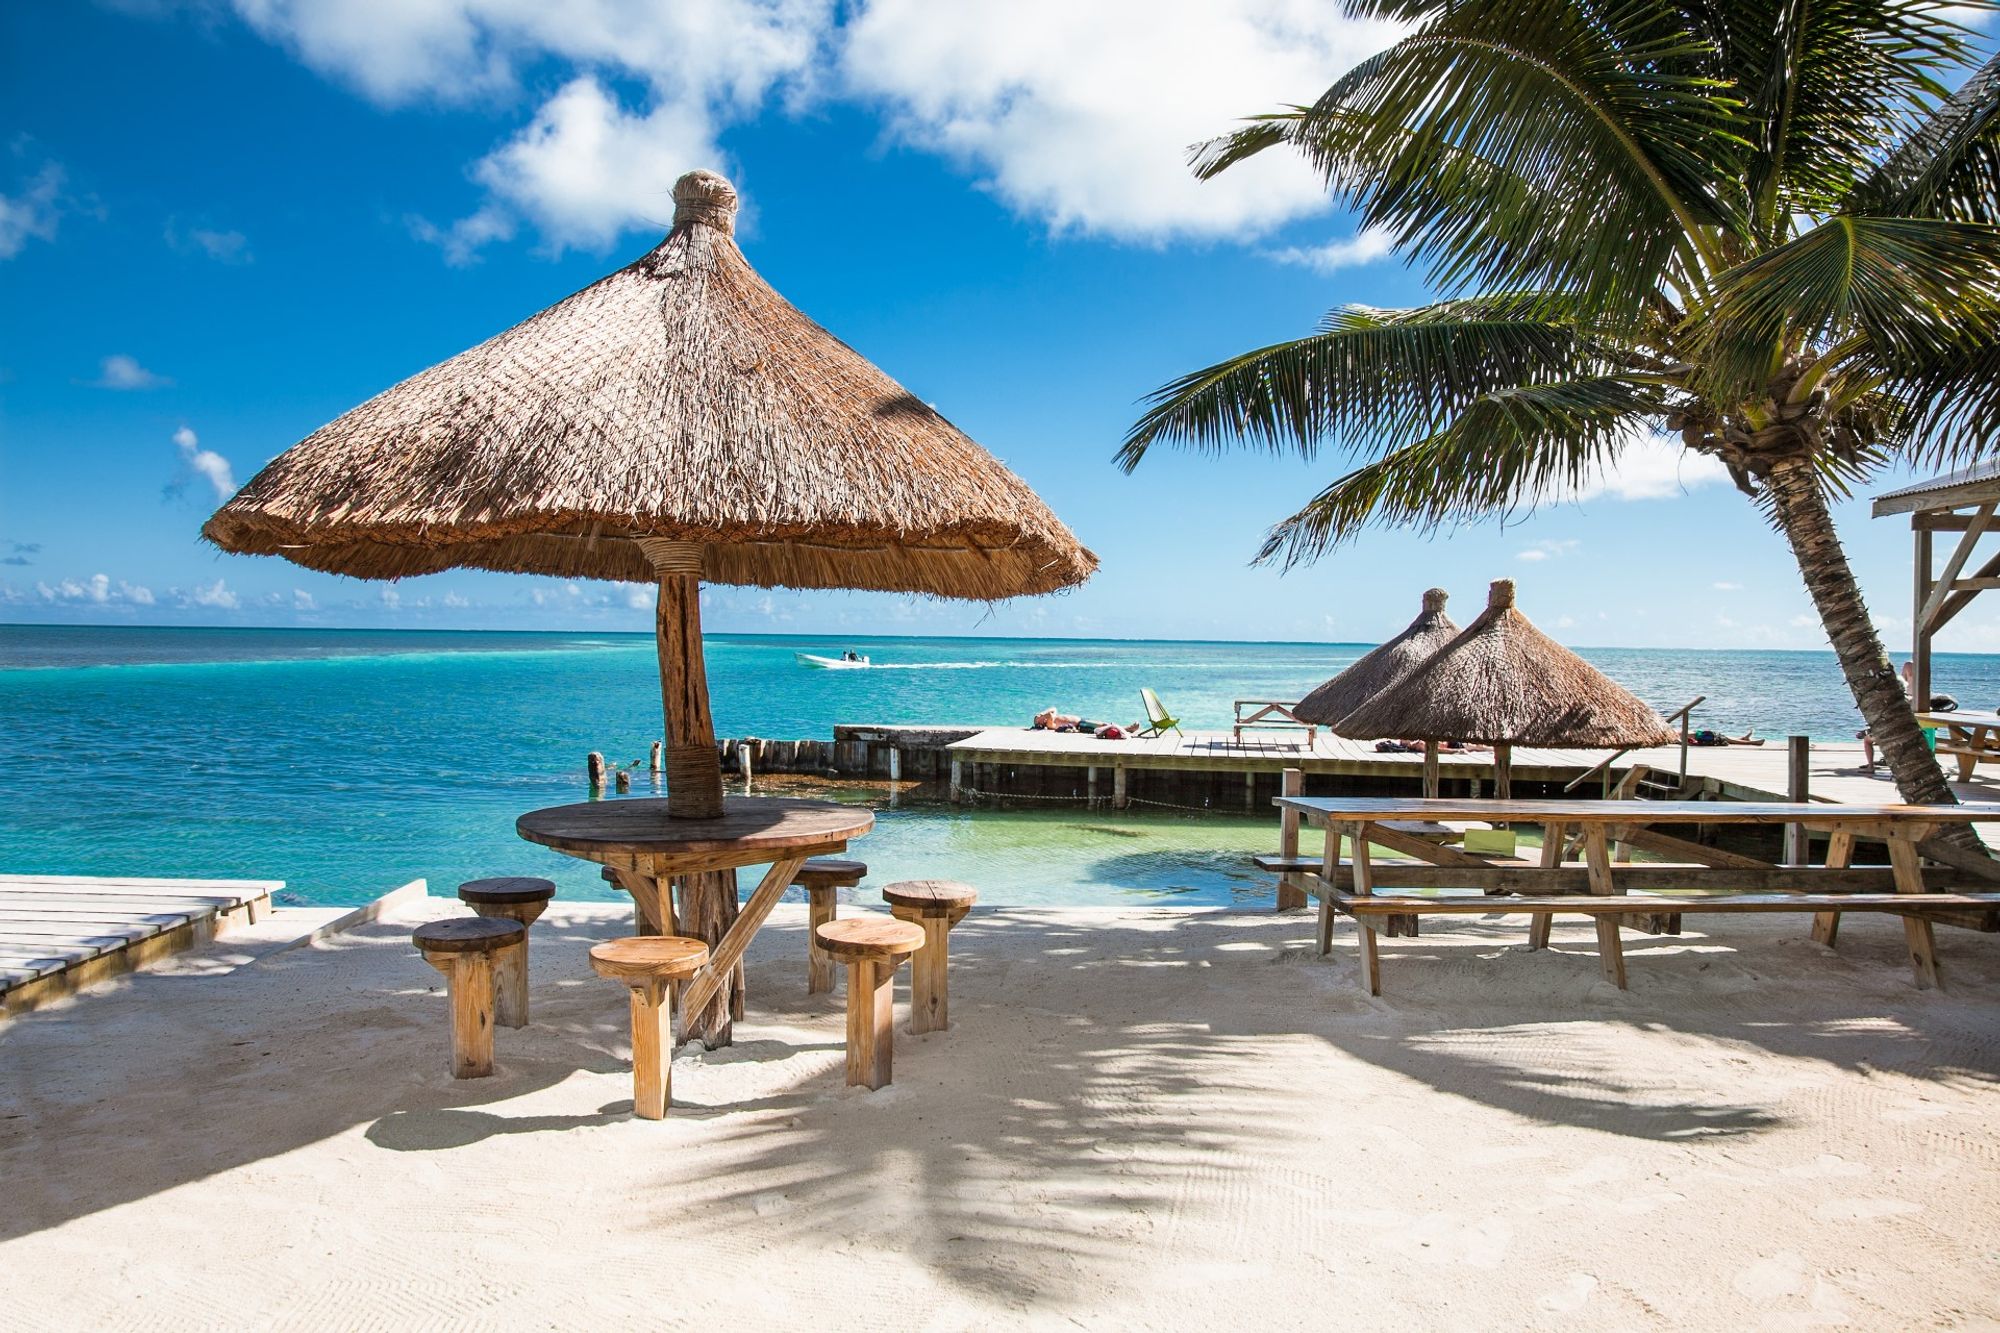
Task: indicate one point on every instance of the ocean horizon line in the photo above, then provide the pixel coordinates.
(823, 637)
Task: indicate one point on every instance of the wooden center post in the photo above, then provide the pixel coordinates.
(694, 766)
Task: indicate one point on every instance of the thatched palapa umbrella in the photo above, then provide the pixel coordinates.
(1503, 683)
(1382, 667)
(675, 421)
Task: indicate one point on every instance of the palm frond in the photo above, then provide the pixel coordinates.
(1369, 375)
(1508, 450)
(1539, 143)
(1910, 286)
(1950, 166)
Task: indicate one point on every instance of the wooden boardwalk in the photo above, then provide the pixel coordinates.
(62, 932)
(1737, 772)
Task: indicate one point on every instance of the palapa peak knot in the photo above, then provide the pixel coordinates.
(1434, 599)
(704, 197)
(1501, 594)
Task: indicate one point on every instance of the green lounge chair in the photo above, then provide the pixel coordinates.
(1158, 721)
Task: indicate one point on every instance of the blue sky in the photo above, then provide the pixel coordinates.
(221, 225)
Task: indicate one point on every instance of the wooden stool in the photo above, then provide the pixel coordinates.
(821, 879)
(937, 905)
(515, 898)
(465, 949)
(649, 965)
(871, 946)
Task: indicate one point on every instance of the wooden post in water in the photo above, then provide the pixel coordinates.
(593, 764)
(1798, 782)
(957, 773)
(622, 780)
(1118, 787)
(1090, 785)
(655, 759)
(1292, 782)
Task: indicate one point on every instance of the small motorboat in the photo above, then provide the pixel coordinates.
(845, 662)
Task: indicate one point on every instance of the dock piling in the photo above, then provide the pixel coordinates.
(1798, 778)
(594, 764)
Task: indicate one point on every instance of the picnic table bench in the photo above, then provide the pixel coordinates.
(1966, 736)
(1269, 714)
(1601, 886)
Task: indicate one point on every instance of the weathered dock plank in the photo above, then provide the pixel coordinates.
(59, 933)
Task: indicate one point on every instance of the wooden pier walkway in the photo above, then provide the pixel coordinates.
(59, 933)
(1737, 772)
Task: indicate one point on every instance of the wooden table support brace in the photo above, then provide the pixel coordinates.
(723, 958)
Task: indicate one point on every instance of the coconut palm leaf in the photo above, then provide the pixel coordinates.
(1368, 374)
(1914, 289)
(1948, 168)
(1508, 450)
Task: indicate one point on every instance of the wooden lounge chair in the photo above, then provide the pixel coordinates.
(1158, 721)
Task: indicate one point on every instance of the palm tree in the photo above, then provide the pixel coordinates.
(1763, 225)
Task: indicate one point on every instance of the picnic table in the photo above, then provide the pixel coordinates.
(1966, 735)
(647, 850)
(1614, 890)
(1265, 714)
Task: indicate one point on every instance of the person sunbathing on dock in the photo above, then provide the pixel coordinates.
(1054, 719)
(1706, 737)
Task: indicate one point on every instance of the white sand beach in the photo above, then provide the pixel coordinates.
(1140, 1119)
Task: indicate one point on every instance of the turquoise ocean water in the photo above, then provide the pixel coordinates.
(346, 762)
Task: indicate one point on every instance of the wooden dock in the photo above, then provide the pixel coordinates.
(59, 933)
(1113, 769)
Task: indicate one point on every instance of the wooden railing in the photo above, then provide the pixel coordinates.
(1685, 714)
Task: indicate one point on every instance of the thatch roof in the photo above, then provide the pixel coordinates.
(1382, 666)
(679, 398)
(1503, 681)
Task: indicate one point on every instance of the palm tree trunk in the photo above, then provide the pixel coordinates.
(1800, 505)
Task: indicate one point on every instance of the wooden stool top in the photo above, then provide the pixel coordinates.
(507, 889)
(870, 937)
(641, 957)
(828, 872)
(468, 934)
(937, 895)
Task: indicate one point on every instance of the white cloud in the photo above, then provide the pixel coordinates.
(1082, 114)
(641, 596)
(1548, 550)
(595, 160)
(456, 601)
(1649, 467)
(123, 372)
(216, 595)
(204, 463)
(97, 590)
(33, 213)
(303, 600)
(1364, 247)
(392, 599)
(224, 247)
(1724, 585)
(587, 169)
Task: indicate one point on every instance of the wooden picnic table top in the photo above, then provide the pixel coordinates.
(589, 829)
(1959, 717)
(1376, 809)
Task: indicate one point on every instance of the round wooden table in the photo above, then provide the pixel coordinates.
(647, 850)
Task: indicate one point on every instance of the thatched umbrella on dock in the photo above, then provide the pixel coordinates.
(1381, 667)
(1503, 683)
(674, 422)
